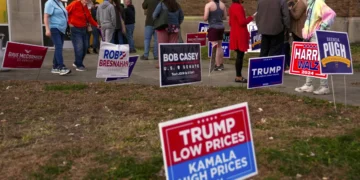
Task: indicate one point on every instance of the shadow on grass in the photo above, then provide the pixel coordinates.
(317, 154)
(66, 87)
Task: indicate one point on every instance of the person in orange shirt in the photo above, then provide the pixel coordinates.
(80, 20)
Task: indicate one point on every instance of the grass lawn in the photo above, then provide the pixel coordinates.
(110, 131)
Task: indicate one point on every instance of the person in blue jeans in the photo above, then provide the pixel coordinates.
(149, 7)
(55, 19)
(79, 20)
(130, 24)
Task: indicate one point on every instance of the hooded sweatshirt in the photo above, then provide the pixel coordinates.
(319, 17)
(106, 15)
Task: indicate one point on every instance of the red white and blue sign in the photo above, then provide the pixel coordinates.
(335, 53)
(255, 38)
(305, 60)
(203, 27)
(132, 61)
(212, 145)
(266, 71)
(225, 47)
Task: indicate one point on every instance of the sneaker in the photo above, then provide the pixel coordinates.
(305, 88)
(133, 51)
(144, 57)
(221, 67)
(82, 68)
(64, 71)
(217, 68)
(322, 91)
(74, 65)
(55, 70)
(287, 72)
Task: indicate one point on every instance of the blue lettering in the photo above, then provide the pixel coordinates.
(106, 54)
(117, 55)
(306, 65)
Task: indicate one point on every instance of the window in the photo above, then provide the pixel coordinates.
(4, 21)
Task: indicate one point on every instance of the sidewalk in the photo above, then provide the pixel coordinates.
(146, 73)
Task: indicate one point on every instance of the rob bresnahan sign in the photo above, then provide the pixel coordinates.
(213, 145)
(113, 61)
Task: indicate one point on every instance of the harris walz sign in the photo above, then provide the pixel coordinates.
(179, 64)
(335, 54)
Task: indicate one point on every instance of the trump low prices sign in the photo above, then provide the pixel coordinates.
(213, 145)
(203, 27)
(180, 63)
(255, 38)
(113, 61)
(305, 60)
(266, 71)
(335, 55)
(23, 56)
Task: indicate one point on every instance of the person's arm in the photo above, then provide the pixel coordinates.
(113, 14)
(145, 5)
(285, 14)
(157, 10)
(327, 16)
(241, 18)
(206, 12)
(298, 10)
(90, 19)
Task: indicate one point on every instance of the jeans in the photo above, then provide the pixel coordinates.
(129, 35)
(80, 43)
(271, 45)
(57, 38)
(149, 32)
(96, 42)
(118, 37)
(309, 80)
(286, 52)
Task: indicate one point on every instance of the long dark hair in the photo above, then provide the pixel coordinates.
(172, 5)
(217, 1)
(117, 3)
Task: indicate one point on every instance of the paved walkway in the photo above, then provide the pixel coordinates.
(146, 73)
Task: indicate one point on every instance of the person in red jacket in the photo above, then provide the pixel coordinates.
(79, 21)
(239, 35)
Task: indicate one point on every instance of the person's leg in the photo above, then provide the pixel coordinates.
(296, 38)
(276, 44)
(129, 36)
(56, 39)
(95, 33)
(147, 39)
(76, 38)
(180, 37)
(162, 37)
(219, 54)
(265, 45)
(109, 33)
(239, 63)
(85, 45)
(120, 37)
(286, 52)
(155, 50)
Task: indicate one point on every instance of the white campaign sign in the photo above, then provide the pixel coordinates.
(113, 61)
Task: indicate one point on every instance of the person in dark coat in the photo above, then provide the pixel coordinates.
(130, 24)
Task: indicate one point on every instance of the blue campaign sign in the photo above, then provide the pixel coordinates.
(132, 61)
(255, 40)
(266, 71)
(335, 54)
(225, 46)
(203, 27)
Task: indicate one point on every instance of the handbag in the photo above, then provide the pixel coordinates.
(88, 28)
(67, 31)
(161, 22)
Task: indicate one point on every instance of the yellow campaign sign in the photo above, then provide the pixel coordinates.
(331, 59)
(3, 12)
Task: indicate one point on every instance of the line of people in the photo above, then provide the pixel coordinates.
(80, 21)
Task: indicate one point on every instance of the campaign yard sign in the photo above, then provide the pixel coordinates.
(23, 56)
(335, 53)
(255, 38)
(132, 61)
(266, 71)
(305, 60)
(203, 27)
(113, 61)
(225, 47)
(196, 38)
(180, 63)
(212, 145)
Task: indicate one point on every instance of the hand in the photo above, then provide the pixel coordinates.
(98, 26)
(48, 33)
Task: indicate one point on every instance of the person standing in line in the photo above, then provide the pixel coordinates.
(120, 29)
(106, 16)
(149, 7)
(319, 17)
(95, 32)
(239, 36)
(55, 19)
(80, 21)
(130, 24)
(272, 20)
(215, 13)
